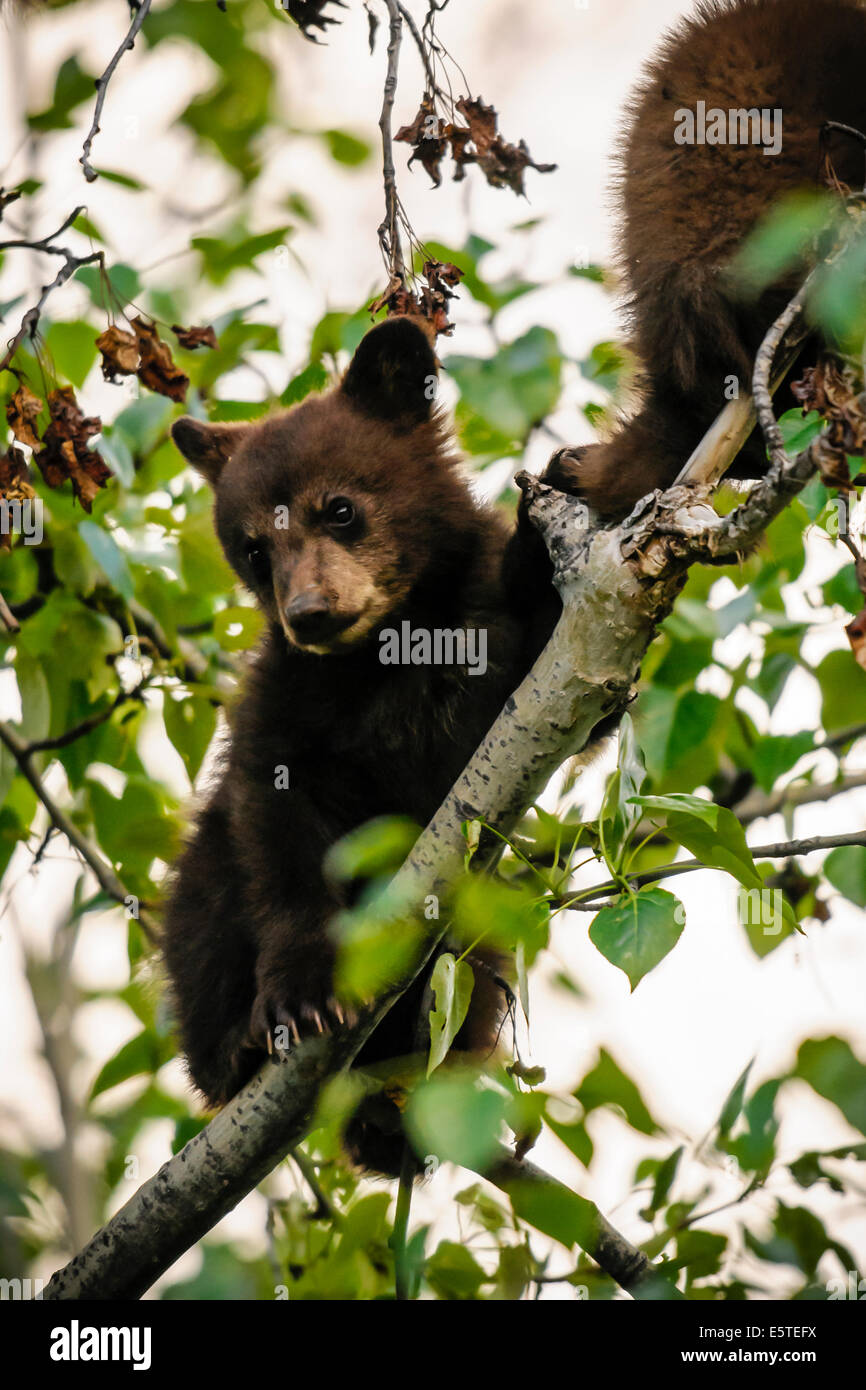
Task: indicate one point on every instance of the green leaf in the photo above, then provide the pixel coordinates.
(143, 1054)
(588, 272)
(71, 86)
(375, 948)
(123, 179)
(699, 1252)
(518, 387)
(607, 1084)
(222, 256)
(108, 555)
(714, 836)
(237, 628)
(837, 302)
(73, 349)
(799, 430)
(452, 982)
(376, 848)
(575, 1136)
(781, 239)
(844, 589)
(453, 1272)
(664, 1179)
(830, 1067)
(843, 688)
(189, 723)
(734, 1103)
(124, 284)
(638, 933)
(558, 1213)
(346, 148)
(312, 378)
(448, 1116)
(755, 1148)
(500, 914)
(632, 775)
(845, 868)
(775, 755)
(35, 698)
(204, 568)
(604, 365)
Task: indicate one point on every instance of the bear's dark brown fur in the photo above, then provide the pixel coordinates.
(381, 529)
(687, 208)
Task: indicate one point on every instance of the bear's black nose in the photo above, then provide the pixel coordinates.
(309, 615)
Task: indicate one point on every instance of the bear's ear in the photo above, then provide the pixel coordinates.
(207, 447)
(393, 373)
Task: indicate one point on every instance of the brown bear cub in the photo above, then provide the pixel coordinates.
(692, 186)
(345, 515)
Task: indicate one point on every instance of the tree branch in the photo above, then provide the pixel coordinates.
(757, 805)
(389, 228)
(139, 10)
(587, 901)
(102, 872)
(71, 264)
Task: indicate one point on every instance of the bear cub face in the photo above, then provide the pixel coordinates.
(308, 510)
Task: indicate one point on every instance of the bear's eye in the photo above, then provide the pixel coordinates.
(258, 560)
(340, 512)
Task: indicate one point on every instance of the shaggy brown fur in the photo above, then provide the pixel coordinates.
(687, 208)
(381, 528)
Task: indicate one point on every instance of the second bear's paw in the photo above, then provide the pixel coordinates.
(283, 1015)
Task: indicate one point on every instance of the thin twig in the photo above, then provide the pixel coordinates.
(389, 229)
(585, 902)
(86, 726)
(422, 49)
(139, 10)
(324, 1206)
(102, 872)
(757, 806)
(71, 264)
(764, 360)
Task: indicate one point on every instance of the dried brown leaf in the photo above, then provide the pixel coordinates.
(157, 369)
(120, 355)
(192, 338)
(22, 414)
(482, 121)
(426, 135)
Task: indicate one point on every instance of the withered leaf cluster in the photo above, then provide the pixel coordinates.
(65, 453)
(428, 303)
(15, 485)
(144, 354)
(476, 142)
(309, 15)
(62, 452)
(831, 389)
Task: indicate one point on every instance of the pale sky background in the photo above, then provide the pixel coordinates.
(557, 71)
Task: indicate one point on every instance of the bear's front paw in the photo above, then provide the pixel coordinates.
(296, 1003)
(570, 470)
